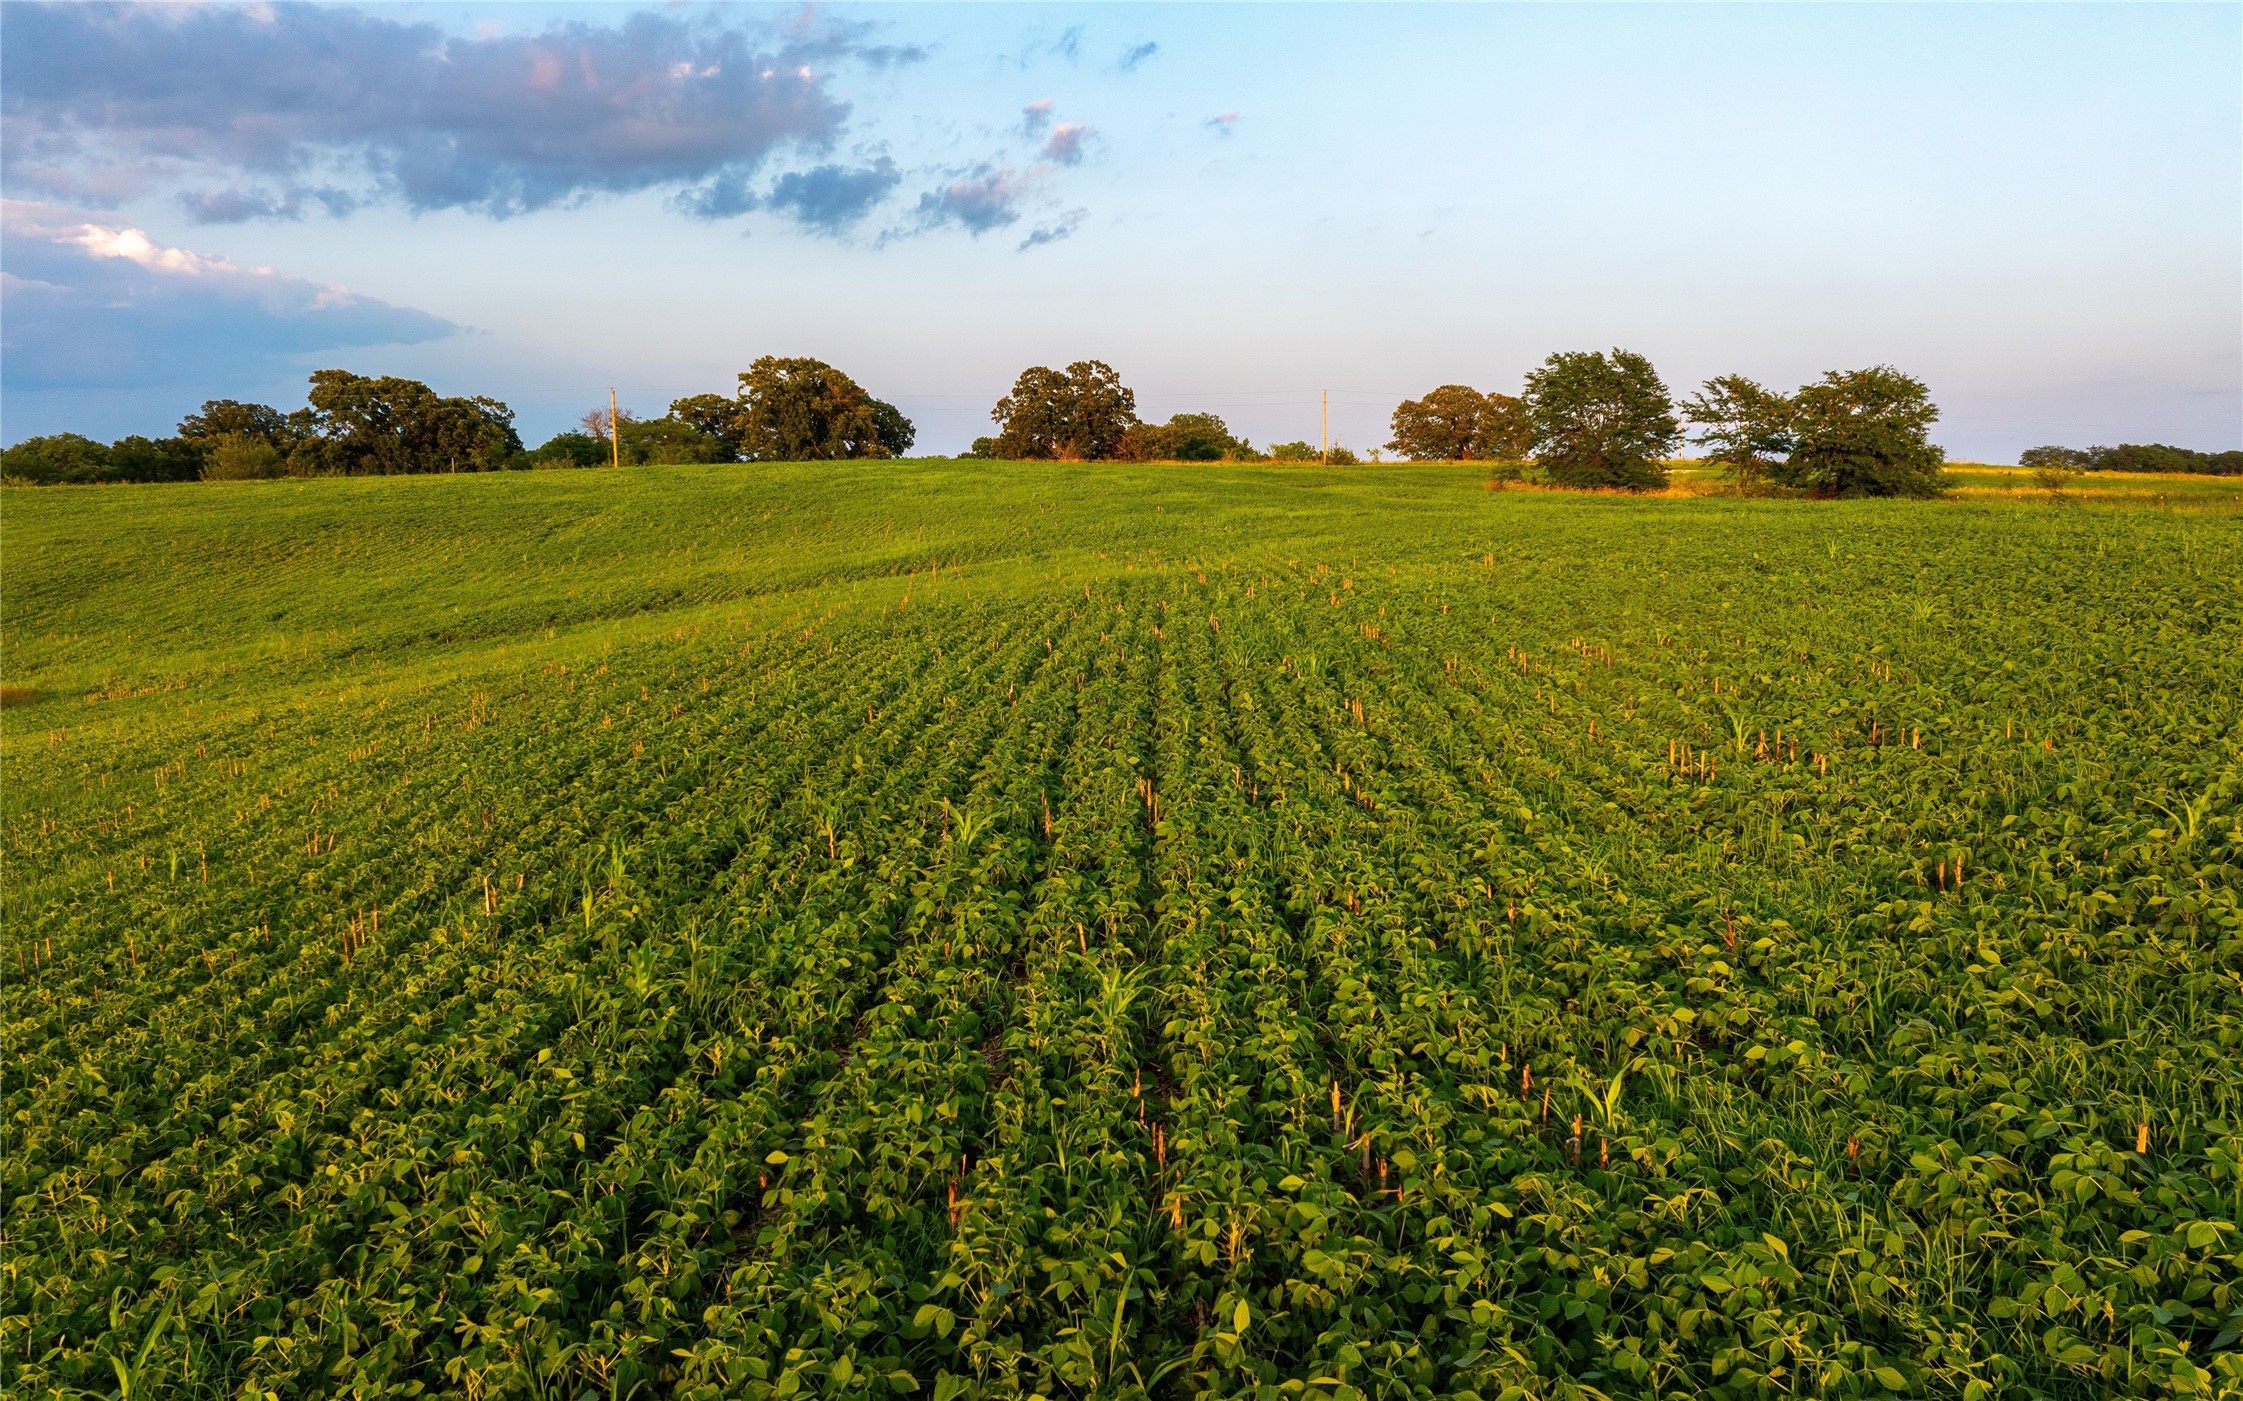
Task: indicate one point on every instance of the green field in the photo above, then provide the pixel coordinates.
(994, 929)
(1983, 483)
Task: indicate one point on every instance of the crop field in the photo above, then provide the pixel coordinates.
(986, 930)
(1984, 484)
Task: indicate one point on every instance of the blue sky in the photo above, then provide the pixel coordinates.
(2038, 210)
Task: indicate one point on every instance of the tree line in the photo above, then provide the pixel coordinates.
(2134, 457)
(1592, 419)
(350, 425)
(1584, 419)
(1084, 413)
(786, 410)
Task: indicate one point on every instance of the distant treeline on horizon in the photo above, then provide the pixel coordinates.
(1582, 419)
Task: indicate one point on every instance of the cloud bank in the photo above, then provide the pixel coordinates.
(90, 303)
(273, 111)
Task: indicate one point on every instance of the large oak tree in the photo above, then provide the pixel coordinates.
(1457, 423)
(796, 409)
(1083, 413)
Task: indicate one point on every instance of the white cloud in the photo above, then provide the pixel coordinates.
(90, 302)
(1066, 144)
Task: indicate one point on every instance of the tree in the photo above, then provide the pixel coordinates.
(1864, 433)
(1506, 430)
(472, 434)
(595, 424)
(2053, 456)
(1601, 420)
(359, 425)
(220, 417)
(1080, 414)
(568, 450)
(1457, 423)
(1032, 421)
(57, 459)
(243, 457)
(1186, 437)
(669, 440)
(138, 459)
(712, 414)
(795, 409)
(2157, 457)
(894, 431)
(1295, 451)
(1745, 425)
(64, 459)
(1441, 426)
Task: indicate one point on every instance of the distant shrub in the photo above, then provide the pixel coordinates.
(1293, 452)
(570, 449)
(239, 457)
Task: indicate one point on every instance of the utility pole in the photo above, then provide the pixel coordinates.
(614, 429)
(1324, 454)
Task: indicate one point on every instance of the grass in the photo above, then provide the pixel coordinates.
(2166, 491)
(1005, 929)
(1989, 484)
